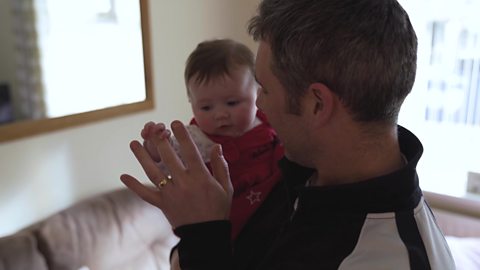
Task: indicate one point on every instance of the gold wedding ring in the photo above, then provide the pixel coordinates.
(164, 181)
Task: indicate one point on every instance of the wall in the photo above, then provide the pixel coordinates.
(44, 174)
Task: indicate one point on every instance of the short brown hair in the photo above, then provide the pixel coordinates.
(213, 58)
(365, 51)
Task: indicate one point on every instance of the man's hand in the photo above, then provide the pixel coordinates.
(192, 195)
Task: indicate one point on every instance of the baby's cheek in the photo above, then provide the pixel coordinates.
(246, 121)
(204, 124)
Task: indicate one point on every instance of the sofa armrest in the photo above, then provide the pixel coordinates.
(19, 252)
(455, 216)
(459, 219)
(116, 230)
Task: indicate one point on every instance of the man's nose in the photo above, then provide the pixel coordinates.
(258, 102)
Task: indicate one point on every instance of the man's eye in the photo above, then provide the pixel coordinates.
(206, 108)
(232, 103)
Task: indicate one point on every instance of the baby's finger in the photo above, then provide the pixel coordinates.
(159, 127)
(163, 133)
(145, 133)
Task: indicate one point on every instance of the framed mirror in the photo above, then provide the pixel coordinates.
(67, 63)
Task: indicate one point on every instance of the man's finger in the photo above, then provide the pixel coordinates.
(220, 169)
(168, 155)
(188, 149)
(147, 163)
(147, 194)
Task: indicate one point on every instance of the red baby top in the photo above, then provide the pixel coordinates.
(252, 161)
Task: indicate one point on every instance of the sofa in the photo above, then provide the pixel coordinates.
(117, 230)
(459, 219)
(114, 230)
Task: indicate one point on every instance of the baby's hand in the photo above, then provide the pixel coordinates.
(151, 130)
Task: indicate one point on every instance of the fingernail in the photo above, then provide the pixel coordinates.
(166, 134)
(176, 124)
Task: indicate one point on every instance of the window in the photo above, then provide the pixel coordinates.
(87, 43)
(443, 109)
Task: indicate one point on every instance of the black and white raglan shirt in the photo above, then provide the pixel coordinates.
(379, 223)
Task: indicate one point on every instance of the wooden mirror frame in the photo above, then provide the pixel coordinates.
(21, 129)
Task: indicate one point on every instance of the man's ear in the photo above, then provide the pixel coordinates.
(322, 102)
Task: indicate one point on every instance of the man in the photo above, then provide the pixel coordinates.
(333, 76)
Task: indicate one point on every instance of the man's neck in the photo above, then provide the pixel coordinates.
(359, 158)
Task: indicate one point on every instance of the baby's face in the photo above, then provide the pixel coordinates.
(225, 105)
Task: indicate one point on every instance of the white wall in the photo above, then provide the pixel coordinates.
(44, 174)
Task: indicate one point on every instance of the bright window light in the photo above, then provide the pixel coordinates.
(443, 109)
(87, 43)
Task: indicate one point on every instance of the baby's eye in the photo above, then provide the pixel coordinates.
(206, 108)
(233, 103)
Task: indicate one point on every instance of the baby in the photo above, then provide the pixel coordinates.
(222, 91)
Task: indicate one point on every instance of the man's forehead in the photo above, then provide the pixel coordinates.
(262, 60)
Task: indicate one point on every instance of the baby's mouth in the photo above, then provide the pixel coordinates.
(224, 128)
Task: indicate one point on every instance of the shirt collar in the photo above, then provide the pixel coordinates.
(397, 190)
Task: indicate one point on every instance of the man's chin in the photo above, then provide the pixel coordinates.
(300, 160)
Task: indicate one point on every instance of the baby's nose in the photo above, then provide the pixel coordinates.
(221, 114)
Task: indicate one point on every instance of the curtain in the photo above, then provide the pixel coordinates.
(30, 87)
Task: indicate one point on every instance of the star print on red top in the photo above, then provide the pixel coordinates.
(252, 161)
(254, 197)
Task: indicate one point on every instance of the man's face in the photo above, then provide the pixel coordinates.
(272, 100)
